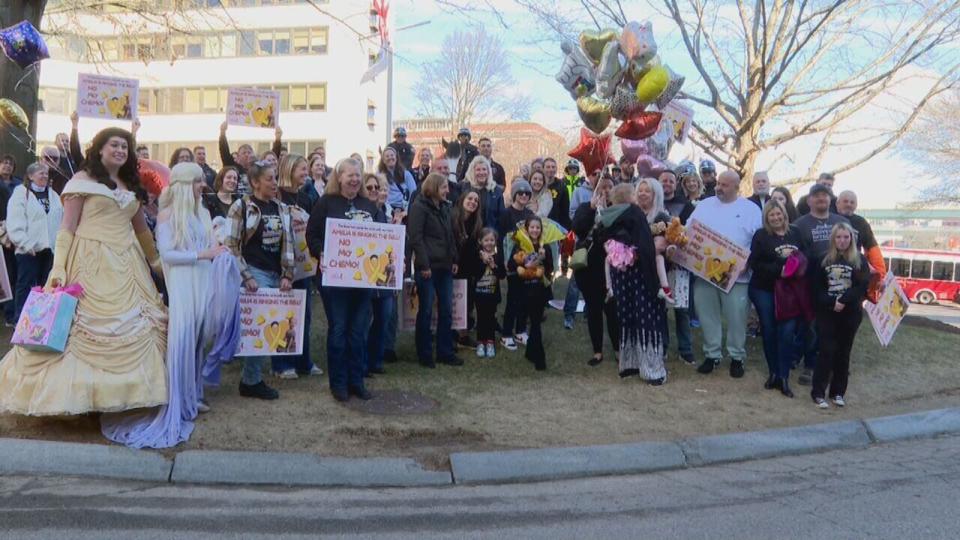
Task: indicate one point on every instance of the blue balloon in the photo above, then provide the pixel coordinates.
(23, 44)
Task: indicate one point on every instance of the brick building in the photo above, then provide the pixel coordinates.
(513, 142)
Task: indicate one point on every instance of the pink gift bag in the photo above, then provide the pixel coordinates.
(46, 318)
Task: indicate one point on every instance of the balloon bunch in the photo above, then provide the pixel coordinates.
(617, 75)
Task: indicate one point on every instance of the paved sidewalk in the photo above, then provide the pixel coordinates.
(901, 490)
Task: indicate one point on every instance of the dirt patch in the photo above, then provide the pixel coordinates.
(923, 322)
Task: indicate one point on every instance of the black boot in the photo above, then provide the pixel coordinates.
(707, 366)
(772, 382)
(785, 388)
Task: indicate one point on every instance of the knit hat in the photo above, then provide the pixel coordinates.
(518, 186)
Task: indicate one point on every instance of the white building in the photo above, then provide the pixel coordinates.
(314, 61)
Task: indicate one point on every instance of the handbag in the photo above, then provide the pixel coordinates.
(578, 261)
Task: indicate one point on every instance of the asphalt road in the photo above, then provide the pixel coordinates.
(904, 490)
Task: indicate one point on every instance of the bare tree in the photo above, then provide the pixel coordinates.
(934, 145)
(772, 72)
(150, 27)
(470, 81)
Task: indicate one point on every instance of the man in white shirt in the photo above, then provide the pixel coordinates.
(736, 219)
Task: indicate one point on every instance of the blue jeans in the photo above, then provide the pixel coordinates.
(253, 365)
(384, 308)
(348, 313)
(439, 285)
(32, 270)
(571, 300)
(390, 337)
(301, 363)
(779, 337)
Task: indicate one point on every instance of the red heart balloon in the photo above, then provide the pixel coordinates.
(593, 150)
(639, 126)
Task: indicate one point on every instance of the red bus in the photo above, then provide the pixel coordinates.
(925, 275)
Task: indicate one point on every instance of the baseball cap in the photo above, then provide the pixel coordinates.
(819, 188)
(707, 166)
(572, 164)
(400, 131)
(464, 131)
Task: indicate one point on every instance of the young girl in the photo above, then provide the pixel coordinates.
(487, 276)
(840, 284)
(534, 270)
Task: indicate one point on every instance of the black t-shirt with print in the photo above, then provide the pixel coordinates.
(263, 249)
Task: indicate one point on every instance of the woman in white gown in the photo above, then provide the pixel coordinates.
(184, 239)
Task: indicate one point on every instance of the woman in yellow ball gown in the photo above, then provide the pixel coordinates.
(114, 357)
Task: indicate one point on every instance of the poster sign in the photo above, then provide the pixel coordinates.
(252, 107)
(306, 265)
(410, 306)
(363, 254)
(679, 279)
(99, 96)
(6, 293)
(886, 314)
(271, 322)
(711, 256)
(681, 117)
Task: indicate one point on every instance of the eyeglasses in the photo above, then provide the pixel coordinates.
(373, 188)
(522, 193)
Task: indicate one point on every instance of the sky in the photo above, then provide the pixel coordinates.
(883, 182)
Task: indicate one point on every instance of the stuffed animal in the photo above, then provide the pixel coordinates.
(676, 234)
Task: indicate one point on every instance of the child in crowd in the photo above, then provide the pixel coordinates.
(840, 285)
(487, 277)
(659, 230)
(534, 267)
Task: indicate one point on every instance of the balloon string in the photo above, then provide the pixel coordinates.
(30, 148)
(30, 70)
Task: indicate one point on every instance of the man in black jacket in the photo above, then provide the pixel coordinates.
(561, 200)
(467, 153)
(486, 150)
(761, 189)
(405, 151)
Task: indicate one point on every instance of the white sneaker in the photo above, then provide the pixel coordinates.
(481, 351)
(839, 402)
(491, 351)
(522, 338)
(202, 407)
(288, 374)
(821, 403)
(508, 343)
(315, 371)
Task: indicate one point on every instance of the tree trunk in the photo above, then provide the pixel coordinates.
(11, 13)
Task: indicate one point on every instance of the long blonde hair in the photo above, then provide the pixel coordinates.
(850, 255)
(285, 170)
(333, 184)
(180, 202)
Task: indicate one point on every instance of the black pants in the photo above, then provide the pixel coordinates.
(32, 271)
(536, 300)
(515, 314)
(593, 287)
(486, 305)
(10, 308)
(836, 332)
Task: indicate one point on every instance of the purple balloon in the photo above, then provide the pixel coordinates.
(632, 150)
(649, 166)
(23, 44)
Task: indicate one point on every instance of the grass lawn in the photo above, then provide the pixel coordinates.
(504, 403)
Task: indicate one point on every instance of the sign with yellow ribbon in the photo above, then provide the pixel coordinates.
(271, 322)
(711, 256)
(99, 96)
(252, 107)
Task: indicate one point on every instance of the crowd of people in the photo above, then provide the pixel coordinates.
(140, 337)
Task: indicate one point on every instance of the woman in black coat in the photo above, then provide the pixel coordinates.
(430, 234)
(592, 280)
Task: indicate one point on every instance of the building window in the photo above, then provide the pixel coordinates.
(193, 100)
(371, 114)
(211, 100)
(175, 100)
(301, 41)
(318, 40)
(317, 98)
(298, 98)
(211, 46)
(248, 43)
(281, 42)
(265, 42)
(228, 44)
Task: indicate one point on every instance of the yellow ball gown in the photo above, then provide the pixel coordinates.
(114, 357)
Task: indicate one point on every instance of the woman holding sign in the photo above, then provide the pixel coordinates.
(261, 239)
(184, 238)
(114, 356)
(293, 176)
(347, 308)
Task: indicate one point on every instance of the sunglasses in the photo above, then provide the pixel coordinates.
(373, 188)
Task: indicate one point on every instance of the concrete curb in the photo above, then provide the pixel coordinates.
(557, 463)
(215, 467)
(19, 456)
(774, 442)
(914, 425)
